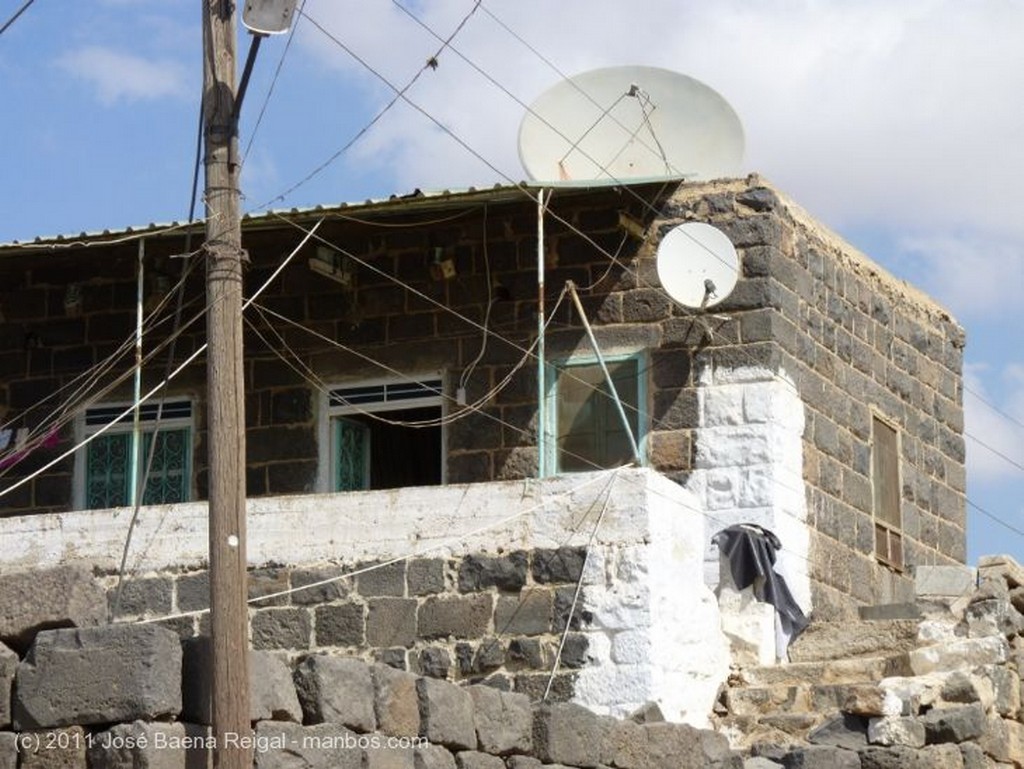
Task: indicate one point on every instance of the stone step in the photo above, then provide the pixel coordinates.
(794, 724)
(745, 731)
(816, 700)
(841, 671)
(765, 700)
(885, 611)
(959, 654)
(782, 731)
(824, 641)
(936, 607)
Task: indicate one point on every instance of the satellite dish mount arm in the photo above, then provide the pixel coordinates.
(262, 18)
(243, 83)
(604, 369)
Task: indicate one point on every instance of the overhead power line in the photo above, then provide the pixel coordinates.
(18, 13)
(996, 518)
(1002, 412)
(446, 43)
(400, 93)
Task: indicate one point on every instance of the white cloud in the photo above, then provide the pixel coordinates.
(870, 111)
(976, 275)
(118, 76)
(995, 425)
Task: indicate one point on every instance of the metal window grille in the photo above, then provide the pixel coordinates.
(380, 397)
(107, 462)
(352, 448)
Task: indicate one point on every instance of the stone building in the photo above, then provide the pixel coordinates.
(395, 350)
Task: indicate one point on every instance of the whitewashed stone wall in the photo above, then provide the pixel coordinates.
(654, 632)
(749, 465)
(653, 637)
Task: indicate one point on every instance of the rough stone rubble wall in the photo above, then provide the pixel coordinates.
(962, 698)
(934, 684)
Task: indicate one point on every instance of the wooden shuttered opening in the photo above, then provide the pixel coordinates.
(885, 481)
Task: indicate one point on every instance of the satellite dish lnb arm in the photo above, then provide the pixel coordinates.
(604, 369)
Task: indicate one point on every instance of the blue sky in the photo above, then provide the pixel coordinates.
(897, 124)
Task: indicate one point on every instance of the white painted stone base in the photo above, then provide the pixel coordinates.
(656, 632)
(655, 635)
(749, 466)
(748, 624)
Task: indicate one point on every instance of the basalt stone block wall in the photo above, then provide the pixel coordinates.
(854, 342)
(396, 315)
(807, 312)
(46, 343)
(497, 619)
(810, 316)
(399, 316)
(118, 696)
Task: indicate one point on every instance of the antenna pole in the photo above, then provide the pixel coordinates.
(134, 492)
(229, 629)
(542, 427)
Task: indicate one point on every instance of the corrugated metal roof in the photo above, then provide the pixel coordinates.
(416, 200)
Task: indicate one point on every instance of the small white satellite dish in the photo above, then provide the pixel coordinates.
(697, 265)
(631, 122)
(268, 17)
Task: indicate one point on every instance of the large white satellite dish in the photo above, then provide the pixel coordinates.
(697, 265)
(633, 122)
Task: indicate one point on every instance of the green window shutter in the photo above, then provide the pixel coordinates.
(108, 474)
(352, 455)
(168, 480)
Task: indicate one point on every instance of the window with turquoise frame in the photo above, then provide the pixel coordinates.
(385, 435)
(106, 469)
(584, 426)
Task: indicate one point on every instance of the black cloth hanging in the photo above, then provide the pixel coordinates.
(751, 550)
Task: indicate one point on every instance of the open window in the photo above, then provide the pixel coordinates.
(885, 483)
(104, 468)
(585, 427)
(384, 435)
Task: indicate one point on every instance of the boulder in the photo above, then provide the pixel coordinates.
(99, 675)
(67, 596)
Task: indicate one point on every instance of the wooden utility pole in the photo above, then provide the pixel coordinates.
(229, 628)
